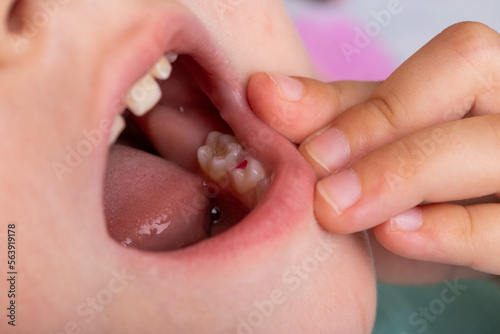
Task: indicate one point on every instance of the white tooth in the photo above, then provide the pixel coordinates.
(247, 178)
(143, 96)
(213, 139)
(217, 164)
(171, 56)
(238, 180)
(162, 69)
(225, 140)
(116, 129)
(205, 154)
(233, 154)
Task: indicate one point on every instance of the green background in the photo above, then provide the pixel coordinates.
(476, 310)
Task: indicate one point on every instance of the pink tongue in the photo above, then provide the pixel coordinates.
(152, 204)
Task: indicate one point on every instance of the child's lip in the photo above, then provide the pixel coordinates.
(287, 206)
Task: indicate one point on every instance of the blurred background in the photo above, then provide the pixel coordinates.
(333, 31)
(368, 40)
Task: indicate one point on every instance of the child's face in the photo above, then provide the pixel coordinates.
(64, 66)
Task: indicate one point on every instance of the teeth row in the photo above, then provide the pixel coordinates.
(223, 160)
(146, 92)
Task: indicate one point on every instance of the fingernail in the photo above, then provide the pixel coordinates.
(341, 190)
(290, 89)
(410, 220)
(330, 150)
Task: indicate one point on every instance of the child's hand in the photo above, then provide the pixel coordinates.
(430, 133)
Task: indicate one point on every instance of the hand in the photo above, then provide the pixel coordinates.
(429, 133)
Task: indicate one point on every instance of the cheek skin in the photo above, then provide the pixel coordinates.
(265, 42)
(337, 295)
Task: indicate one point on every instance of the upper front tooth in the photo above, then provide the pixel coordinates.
(171, 56)
(116, 129)
(162, 69)
(143, 96)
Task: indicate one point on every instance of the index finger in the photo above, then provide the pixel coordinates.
(457, 73)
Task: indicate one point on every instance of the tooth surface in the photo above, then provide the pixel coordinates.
(116, 129)
(217, 164)
(226, 140)
(204, 154)
(233, 154)
(247, 178)
(213, 138)
(143, 96)
(162, 69)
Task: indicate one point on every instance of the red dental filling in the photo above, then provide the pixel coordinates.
(242, 165)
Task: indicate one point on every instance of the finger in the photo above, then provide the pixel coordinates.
(449, 162)
(447, 233)
(297, 107)
(458, 72)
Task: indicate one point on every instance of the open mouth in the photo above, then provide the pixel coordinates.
(193, 167)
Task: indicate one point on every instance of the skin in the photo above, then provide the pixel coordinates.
(58, 84)
(414, 138)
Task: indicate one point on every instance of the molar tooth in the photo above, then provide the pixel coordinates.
(213, 138)
(219, 155)
(143, 96)
(255, 171)
(116, 129)
(205, 154)
(218, 164)
(162, 69)
(233, 153)
(225, 140)
(247, 178)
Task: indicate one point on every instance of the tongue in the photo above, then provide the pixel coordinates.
(152, 204)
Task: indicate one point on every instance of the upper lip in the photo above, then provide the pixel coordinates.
(287, 206)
